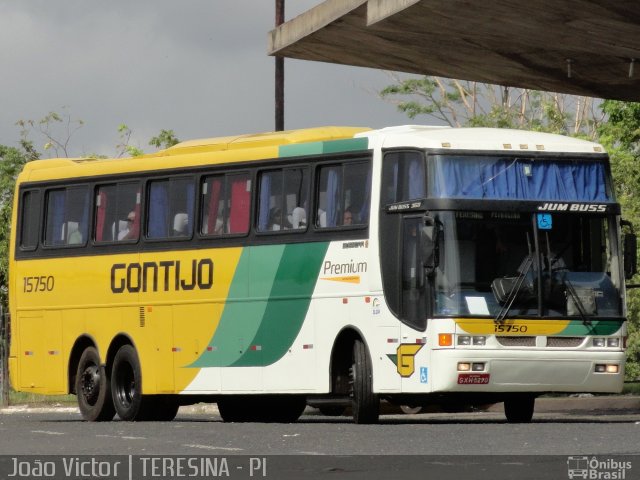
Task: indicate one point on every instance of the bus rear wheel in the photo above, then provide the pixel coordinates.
(365, 404)
(519, 408)
(93, 388)
(126, 386)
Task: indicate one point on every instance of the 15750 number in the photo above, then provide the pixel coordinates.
(38, 284)
(510, 329)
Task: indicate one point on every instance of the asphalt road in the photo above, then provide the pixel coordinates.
(477, 445)
(569, 432)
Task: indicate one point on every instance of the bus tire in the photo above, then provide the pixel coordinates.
(283, 408)
(126, 386)
(365, 404)
(93, 388)
(261, 408)
(234, 408)
(519, 408)
(162, 408)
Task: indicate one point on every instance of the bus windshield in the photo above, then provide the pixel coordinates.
(517, 264)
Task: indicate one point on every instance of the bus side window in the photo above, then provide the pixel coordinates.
(171, 206)
(29, 219)
(344, 195)
(67, 216)
(117, 212)
(225, 204)
(283, 200)
(403, 177)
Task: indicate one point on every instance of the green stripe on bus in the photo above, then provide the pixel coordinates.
(240, 320)
(288, 304)
(316, 148)
(263, 316)
(597, 327)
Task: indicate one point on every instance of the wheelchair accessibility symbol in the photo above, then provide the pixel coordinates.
(545, 222)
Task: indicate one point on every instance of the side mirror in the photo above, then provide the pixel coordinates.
(630, 245)
(630, 255)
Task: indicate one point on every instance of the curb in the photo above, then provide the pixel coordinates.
(582, 403)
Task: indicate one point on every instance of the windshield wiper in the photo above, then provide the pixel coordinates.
(577, 301)
(524, 269)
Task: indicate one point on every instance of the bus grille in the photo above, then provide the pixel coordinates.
(509, 341)
(564, 342)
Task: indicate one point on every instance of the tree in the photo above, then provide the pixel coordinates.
(56, 131)
(165, 139)
(56, 128)
(11, 162)
(124, 147)
(621, 137)
(460, 103)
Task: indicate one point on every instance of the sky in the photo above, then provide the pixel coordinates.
(198, 67)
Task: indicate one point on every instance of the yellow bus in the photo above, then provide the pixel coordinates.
(341, 265)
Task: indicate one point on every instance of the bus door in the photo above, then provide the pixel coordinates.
(412, 360)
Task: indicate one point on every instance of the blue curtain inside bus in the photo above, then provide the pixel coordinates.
(416, 178)
(518, 179)
(265, 197)
(333, 196)
(158, 210)
(55, 217)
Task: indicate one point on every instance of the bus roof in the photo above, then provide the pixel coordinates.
(193, 152)
(308, 141)
(491, 139)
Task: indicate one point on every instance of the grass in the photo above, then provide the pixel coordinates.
(34, 399)
(631, 388)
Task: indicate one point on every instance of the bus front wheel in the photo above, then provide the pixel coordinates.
(93, 388)
(519, 408)
(365, 404)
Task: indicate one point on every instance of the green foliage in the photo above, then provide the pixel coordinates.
(459, 103)
(123, 147)
(165, 139)
(11, 162)
(623, 127)
(621, 136)
(55, 129)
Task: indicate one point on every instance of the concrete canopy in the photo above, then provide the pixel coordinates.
(581, 47)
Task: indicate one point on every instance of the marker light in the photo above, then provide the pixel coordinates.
(445, 339)
(602, 368)
(464, 366)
